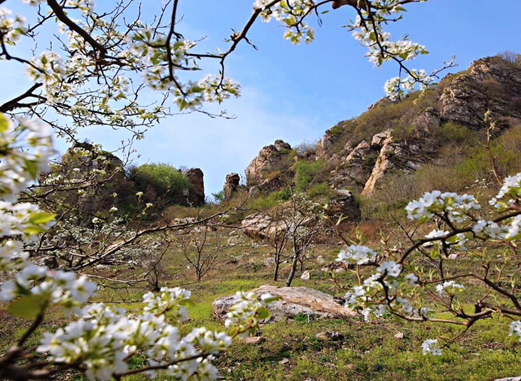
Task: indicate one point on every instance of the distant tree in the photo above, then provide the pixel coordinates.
(201, 246)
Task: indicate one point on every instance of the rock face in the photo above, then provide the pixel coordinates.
(345, 206)
(270, 160)
(426, 121)
(383, 162)
(231, 185)
(293, 301)
(260, 226)
(195, 196)
(325, 144)
(395, 138)
(353, 171)
(489, 84)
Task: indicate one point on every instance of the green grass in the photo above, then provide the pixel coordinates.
(291, 351)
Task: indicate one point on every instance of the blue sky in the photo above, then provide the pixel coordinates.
(295, 93)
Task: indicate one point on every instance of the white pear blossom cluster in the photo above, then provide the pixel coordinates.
(115, 51)
(453, 242)
(29, 145)
(515, 329)
(449, 288)
(101, 340)
(11, 26)
(389, 275)
(430, 347)
(48, 287)
(396, 87)
(367, 29)
(448, 204)
(490, 230)
(381, 47)
(170, 299)
(105, 338)
(357, 254)
(508, 194)
(291, 14)
(243, 317)
(395, 287)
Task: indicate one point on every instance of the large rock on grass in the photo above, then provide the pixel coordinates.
(293, 301)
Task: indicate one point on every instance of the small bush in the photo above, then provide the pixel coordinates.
(305, 172)
(510, 58)
(306, 147)
(322, 190)
(273, 199)
(161, 178)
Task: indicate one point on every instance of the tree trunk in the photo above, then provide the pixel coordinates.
(293, 269)
(277, 265)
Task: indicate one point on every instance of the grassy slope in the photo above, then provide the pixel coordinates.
(369, 351)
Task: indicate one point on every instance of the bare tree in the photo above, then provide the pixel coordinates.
(201, 246)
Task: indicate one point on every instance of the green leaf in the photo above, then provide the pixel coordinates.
(324, 12)
(263, 313)
(34, 230)
(41, 218)
(27, 307)
(4, 123)
(32, 167)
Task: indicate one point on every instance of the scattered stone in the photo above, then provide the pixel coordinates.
(330, 336)
(284, 361)
(453, 256)
(399, 335)
(253, 340)
(509, 379)
(380, 139)
(306, 275)
(260, 226)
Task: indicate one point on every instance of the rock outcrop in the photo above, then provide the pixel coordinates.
(490, 84)
(195, 195)
(231, 185)
(343, 206)
(271, 160)
(293, 301)
(395, 138)
(325, 145)
(260, 226)
(353, 172)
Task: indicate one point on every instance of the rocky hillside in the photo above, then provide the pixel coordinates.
(105, 181)
(440, 127)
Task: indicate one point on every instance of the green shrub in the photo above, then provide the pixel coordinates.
(264, 202)
(219, 196)
(163, 179)
(322, 190)
(305, 172)
(457, 134)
